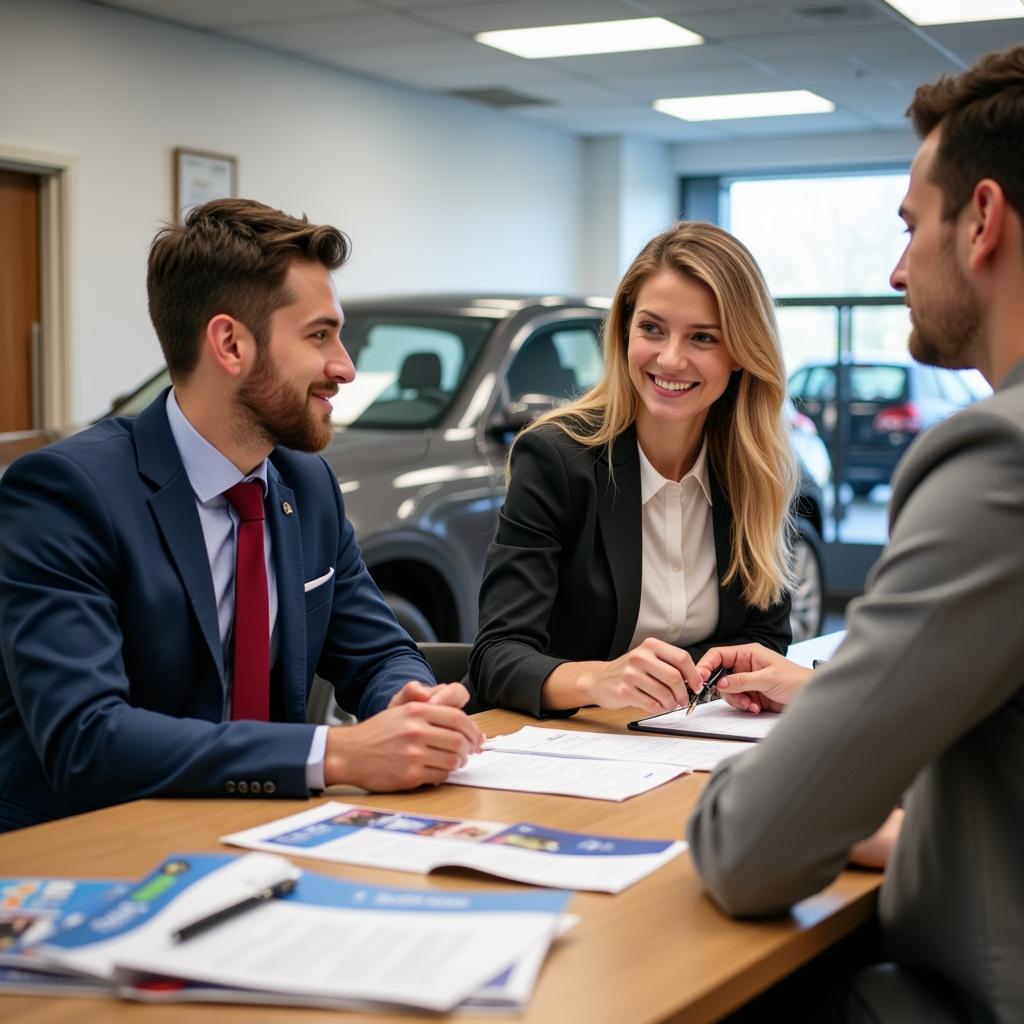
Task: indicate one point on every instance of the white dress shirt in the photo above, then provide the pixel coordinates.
(210, 473)
(679, 578)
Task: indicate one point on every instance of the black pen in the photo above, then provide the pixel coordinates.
(232, 910)
(704, 693)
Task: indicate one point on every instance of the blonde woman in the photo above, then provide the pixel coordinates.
(650, 519)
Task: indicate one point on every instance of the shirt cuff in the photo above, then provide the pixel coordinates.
(315, 761)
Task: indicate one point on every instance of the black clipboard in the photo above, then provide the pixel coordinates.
(693, 727)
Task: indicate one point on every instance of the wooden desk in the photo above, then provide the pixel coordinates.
(660, 951)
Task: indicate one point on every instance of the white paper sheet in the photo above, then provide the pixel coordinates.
(535, 773)
(698, 755)
(718, 719)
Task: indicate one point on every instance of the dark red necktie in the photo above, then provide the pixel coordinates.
(250, 681)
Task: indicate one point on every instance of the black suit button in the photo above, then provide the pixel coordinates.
(243, 786)
(230, 785)
(269, 788)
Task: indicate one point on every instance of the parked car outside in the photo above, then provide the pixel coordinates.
(889, 402)
(421, 438)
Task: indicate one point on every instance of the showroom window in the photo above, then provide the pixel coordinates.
(827, 243)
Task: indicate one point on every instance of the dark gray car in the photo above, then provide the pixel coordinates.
(443, 384)
(886, 404)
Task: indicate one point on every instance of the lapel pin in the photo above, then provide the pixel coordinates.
(286, 508)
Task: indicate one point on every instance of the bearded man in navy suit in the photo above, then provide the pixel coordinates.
(123, 674)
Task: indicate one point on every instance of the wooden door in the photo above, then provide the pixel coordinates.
(19, 296)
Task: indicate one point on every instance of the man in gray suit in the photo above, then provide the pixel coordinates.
(924, 700)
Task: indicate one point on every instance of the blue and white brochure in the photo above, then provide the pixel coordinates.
(522, 852)
(33, 909)
(329, 942)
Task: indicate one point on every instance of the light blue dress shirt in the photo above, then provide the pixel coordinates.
(210, 474)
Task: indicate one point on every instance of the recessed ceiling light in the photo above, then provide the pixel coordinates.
(745, 104)
(952, 12)
(591, 37)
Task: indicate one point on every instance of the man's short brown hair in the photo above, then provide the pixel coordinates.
(228, 256)
(982, 116)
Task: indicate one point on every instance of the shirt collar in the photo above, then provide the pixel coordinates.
(209, 471)
(651, 481)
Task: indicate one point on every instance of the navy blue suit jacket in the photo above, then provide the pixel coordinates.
(112, 681)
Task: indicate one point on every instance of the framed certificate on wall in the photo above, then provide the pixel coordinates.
(200, 176)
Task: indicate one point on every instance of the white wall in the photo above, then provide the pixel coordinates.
(435, 193)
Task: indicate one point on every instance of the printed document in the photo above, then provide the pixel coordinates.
(536, 773)
(695, 754)
(402, 841)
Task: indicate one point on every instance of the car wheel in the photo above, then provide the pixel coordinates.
(410, 618)
(808, 597)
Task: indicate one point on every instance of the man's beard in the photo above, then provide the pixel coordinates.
(278, 413)
(947, 330)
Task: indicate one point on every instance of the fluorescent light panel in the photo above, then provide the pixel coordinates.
(954, 12)
(590, 37)
(745, 104)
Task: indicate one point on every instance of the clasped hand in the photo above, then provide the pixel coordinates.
(420, 738)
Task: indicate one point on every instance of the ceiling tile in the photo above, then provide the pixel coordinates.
(472, 18)
(332, 35)
(226, 13)
(969, 42)
(709, 82)
(682, 58)
(771, 19)
(889, 42)
(433, 53)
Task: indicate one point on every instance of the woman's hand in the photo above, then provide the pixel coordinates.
(758, 679)
(655, 676)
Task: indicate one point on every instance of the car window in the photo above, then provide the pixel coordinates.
(878, 383)
(558, 361)
(134, 403)
(408, 368)
(821, 384)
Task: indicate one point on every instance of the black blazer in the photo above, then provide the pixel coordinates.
(562, 579)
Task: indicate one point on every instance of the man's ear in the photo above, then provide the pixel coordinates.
(229, 343)
(986, 223)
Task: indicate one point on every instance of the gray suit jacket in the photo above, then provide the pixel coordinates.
(924, 697)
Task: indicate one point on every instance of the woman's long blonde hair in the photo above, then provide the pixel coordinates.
(748, 438)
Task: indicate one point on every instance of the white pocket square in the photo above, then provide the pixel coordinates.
(318, 582)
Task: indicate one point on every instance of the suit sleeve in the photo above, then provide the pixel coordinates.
(509, 661)
(932, 649)
(367, 656)
(61, 567)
